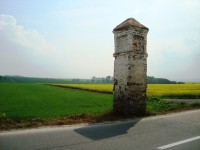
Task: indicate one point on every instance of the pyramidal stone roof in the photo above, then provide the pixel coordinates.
(129, 22)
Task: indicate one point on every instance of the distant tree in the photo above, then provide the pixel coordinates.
(103, 80)
(93, 79)
(76, 80)
(108, 79)
(152, 80)
(181, 82)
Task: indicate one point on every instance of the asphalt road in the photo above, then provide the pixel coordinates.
(180, 131)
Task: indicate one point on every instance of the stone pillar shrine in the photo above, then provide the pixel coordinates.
(130, 68)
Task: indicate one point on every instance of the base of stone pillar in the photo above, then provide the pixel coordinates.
(129, 108)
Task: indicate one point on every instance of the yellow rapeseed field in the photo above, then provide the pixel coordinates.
(174, 90)
(159, 90)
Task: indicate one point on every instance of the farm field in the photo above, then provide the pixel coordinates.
(27, 105)
(191, 91)
(42, 101)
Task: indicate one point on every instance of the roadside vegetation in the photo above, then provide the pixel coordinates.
(32, 105)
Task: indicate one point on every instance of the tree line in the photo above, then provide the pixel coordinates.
(102, 80)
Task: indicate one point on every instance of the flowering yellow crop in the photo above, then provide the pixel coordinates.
(174, 90)
(160, 90)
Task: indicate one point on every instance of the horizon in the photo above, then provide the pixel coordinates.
(74, 39)
(88, 78)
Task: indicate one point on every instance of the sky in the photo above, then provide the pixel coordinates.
(74, 39)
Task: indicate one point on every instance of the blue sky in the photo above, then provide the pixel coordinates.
(74, 39)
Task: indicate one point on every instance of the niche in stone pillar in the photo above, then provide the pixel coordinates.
(138, 44)
(122, 42)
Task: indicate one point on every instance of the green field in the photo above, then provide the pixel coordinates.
(23, 101)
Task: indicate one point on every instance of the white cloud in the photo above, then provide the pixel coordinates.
(29, 38)
(25, 50)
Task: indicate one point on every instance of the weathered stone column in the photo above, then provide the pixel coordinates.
(130, 68)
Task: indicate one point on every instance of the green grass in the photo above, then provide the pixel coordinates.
(156, 105)
(36, 101)
(42, 101)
